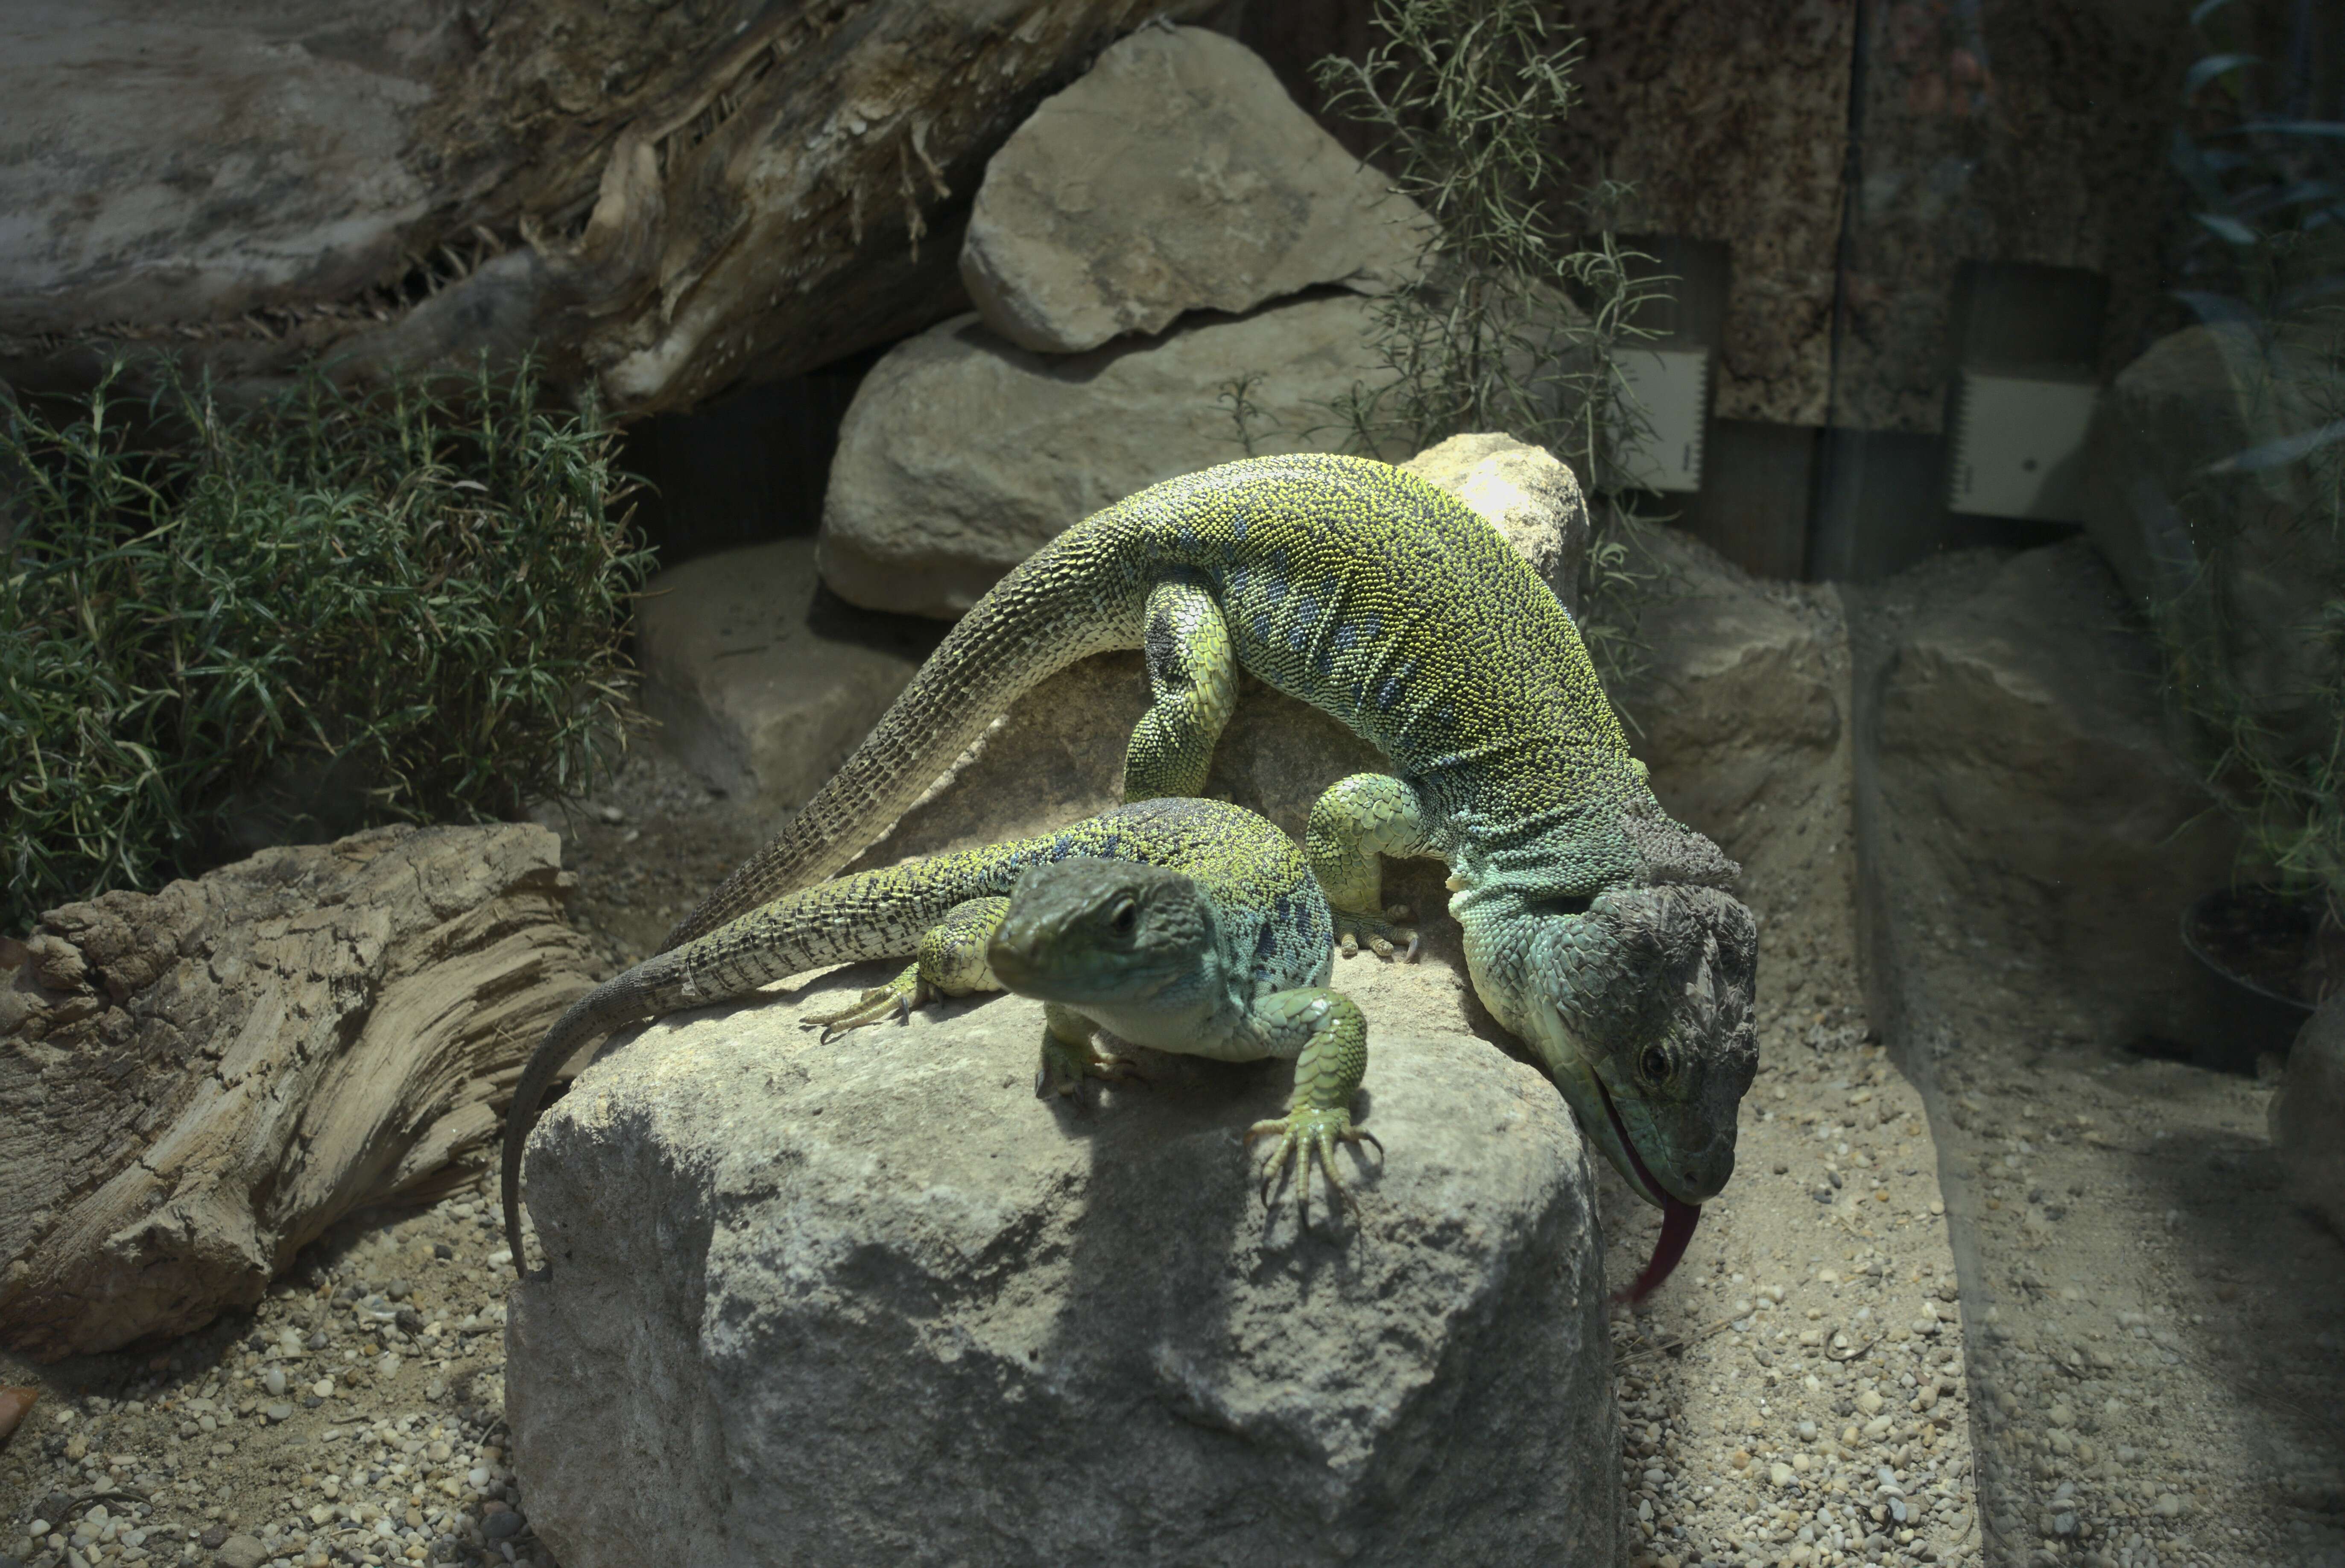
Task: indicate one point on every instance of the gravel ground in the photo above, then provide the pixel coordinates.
(355, 1415)
(1795, 1395)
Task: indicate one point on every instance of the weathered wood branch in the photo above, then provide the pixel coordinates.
(196, 1083)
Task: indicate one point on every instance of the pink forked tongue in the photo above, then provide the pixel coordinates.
(1678, 1216)
(1678, 1221)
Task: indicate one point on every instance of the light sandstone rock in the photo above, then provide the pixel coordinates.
(196, 1084)
(1176, 175)
(2025, 752)
(873, 1301)
(1527, 494)
(963, 454)
(761, 682)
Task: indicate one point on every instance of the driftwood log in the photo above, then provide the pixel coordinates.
(667, 199)
(196, 1083)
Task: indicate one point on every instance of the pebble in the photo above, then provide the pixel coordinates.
(242, 1552)
(274, 1381)
(501, 1525)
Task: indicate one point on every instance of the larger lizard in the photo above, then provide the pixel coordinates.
(1595, 928)
(1191, 926)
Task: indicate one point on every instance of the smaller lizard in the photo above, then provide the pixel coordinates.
(1187, 925)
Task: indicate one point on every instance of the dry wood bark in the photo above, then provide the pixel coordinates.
(196, 1083)
(667, 199)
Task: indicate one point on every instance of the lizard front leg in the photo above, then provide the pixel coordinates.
(1193, 679)
(1356, 820)
(1070, 1054)
(1327, 1035)
(951, 963)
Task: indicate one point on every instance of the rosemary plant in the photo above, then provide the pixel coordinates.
(328, 612)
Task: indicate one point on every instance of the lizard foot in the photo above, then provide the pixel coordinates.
(1384, 934)
(1305, 1134)
(897, 997)
(1065, 1066)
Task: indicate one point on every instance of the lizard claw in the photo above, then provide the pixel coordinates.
(898, 997)
(1309, 1134)
(1380, 934)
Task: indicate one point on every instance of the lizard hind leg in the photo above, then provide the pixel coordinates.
(1354, 821)
(951, 963)
(1193, 681)
(1327, 1035)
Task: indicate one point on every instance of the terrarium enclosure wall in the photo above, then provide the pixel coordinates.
(1966, 562)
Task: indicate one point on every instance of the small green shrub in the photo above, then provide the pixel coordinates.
(330, 611)
(1523, 298)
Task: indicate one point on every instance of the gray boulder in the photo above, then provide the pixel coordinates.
(2308, 1114)
(2024, 753)
(963, 454)
(760, 682)
(1176, 175)
(2245, 558)
(873, 1301)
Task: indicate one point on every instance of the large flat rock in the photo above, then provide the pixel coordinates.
(1174, 175)
(873, 1301)
(963, 454)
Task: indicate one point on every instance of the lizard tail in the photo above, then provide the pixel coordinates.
(872, 914)
(1079, 595)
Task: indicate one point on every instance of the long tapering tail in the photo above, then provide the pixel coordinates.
(1074, 598)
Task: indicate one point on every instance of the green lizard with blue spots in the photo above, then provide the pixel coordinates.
(1595, 928)
(1191, 926)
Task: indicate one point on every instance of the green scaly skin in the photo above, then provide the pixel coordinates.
(1191, 926)
(1597, 929)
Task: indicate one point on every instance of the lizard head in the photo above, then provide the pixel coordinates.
(1641, 1007)
(1094, 931)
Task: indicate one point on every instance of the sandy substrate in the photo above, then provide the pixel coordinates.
(2157, 1331)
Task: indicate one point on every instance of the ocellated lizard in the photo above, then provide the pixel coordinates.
(1595, 928)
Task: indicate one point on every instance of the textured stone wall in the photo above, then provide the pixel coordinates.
(1993, 130)
(2004, 130)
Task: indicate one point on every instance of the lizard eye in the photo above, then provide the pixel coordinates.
(1124, 918)
(1654, 1064)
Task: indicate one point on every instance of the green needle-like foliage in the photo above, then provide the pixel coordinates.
(331, 611)
(1523, 298)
